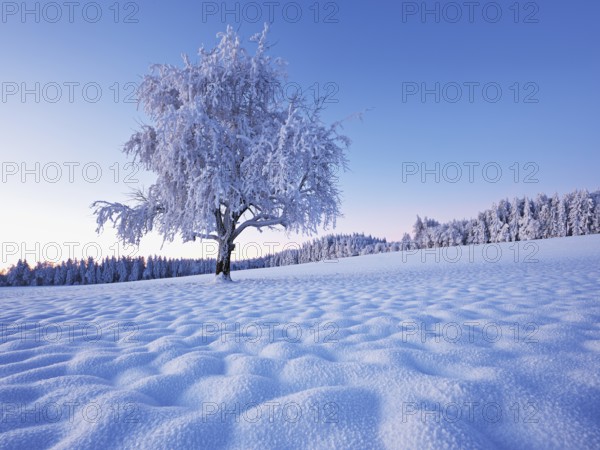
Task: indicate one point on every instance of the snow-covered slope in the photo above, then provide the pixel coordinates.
(381, 351)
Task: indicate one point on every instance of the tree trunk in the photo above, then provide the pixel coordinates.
(224, 259)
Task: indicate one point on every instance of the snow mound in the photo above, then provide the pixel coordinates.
(498, 347)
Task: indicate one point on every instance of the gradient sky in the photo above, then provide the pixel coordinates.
(371, 54)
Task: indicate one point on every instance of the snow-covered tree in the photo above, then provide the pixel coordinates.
(99, 273)
(406, 243)
(80, 276)
(419, 232)
(137, 269)
(544, 208)
(122, 270)
(596, 221)
(228, 154)
(148, 273)
(514, 219)
(90, 273)
(481, 232)
(504, 233)
(426, 232)
(71, 276)
(470, 232)
(20, 275)
(454, 233)
(587, 212)
(577, 207)
(494, 223)
(559, 216)
(528, 225)
(60, 275)
(110, 270)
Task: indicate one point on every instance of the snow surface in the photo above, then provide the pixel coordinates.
(381, 351)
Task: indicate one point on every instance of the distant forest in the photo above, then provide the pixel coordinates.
(574, 214)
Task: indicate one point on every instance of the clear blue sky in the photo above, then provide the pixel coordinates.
(374, 55)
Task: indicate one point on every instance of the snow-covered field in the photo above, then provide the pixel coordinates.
(380, 351)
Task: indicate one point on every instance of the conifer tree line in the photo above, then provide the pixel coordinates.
(574, 214)
(116, 270)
